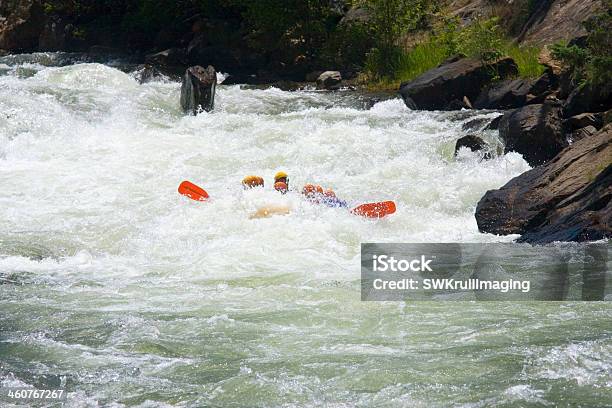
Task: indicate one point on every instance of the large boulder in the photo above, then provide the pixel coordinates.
(329, 80)
(568, 199)
(587, 98)
(553, 21)
(513, 93)
(584, 120)
(535, 131)
(447, 86)
(21, 22)
(198, 89)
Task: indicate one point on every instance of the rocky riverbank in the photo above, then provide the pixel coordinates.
(568, 141)
(256, 43)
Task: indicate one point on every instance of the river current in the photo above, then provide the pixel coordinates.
(124, 293)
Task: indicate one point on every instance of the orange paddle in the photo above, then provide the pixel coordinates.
(375, 210)
(188, 189)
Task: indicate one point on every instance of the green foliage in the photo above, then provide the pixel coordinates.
(446, 34)
(573, 57)
(389, 21)
(405, 65)
(482, 39)
(347, 46)
(526, 59)
(593, 63)
(289, 26)
(421, 58)
(48, 7)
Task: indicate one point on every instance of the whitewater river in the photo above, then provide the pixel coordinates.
(124, 293)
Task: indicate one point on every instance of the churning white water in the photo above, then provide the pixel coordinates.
(125, 293)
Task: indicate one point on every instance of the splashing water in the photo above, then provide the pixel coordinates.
(120, 290)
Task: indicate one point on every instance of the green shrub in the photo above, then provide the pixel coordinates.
(421, 58)
(482, 39)
(389, 21)
(404, 65)
(526, 59)
(347, 46)
(592, 64)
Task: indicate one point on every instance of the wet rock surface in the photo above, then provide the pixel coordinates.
(472, 142)
(567, 199)
(198, 89)
(329, 80)
(513, 93)
(535, 131)
(447, 86)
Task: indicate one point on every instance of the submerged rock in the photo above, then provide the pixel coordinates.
(494, 124)
(198, 89)
(447, 86)
(472, 142)
(535, 131)
(147, 73)
(567, 199)
(476, 124)
(329, 80)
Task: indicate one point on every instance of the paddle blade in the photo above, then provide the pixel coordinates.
(375, 210)
(188, 189)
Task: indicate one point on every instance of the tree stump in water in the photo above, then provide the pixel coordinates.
(198, 89)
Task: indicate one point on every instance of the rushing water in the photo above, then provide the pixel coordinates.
(124, 293)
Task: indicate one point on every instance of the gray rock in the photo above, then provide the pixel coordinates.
(582, 133)
(356, 15)
(472, 142)
(513, 93)
(507, 94)
(198, 89)
(535, 131)
(147, 73)
(475, 124)
(329, 80)
(567, 199)
(447, 86)
(587, 98)
(606, 117)
(584, 120)
(494, 124)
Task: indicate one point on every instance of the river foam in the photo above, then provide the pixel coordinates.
(117, 287)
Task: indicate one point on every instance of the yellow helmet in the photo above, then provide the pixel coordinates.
(280, 175)
(252, 181)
